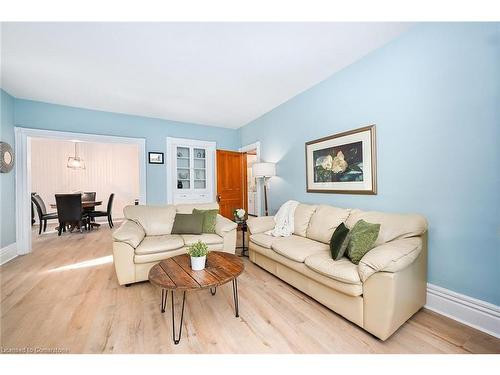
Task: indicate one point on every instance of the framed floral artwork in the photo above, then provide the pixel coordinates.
(343, 163)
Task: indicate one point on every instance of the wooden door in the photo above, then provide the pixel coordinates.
(231, 182)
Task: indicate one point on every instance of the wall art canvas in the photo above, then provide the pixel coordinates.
(343, 163)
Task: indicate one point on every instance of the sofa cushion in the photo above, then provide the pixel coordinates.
(341, 270)
(155, 220)
(324, 221)
(392, 226)
(298, 248)
(208, 238)
(158, 244)
(301, 218)
(187, 208)
(262, 253)
(262, 239)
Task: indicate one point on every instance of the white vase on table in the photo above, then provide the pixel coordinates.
(198, 263)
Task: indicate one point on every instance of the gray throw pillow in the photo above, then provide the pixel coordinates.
(188, 224)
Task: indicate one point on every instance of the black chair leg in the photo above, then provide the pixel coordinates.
(60, 229)
(45, 225)
(41, 225)
(110, 221)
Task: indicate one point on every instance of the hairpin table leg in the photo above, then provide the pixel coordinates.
(235, 296)
(164, 297)
(176, 340)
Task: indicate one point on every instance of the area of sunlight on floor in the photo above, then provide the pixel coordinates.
(87, 263)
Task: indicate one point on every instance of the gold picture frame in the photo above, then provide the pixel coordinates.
(343, 163)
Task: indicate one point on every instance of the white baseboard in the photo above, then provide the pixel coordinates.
(7, 253)
(473, 312)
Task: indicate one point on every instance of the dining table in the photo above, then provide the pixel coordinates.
(86, 205)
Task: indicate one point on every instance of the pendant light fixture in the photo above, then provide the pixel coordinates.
(75, 162)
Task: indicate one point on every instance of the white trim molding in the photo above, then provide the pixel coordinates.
(7, 253)
(473, 312)
(256, 146)
(23, 173)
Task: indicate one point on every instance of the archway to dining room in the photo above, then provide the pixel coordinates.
(104, 173)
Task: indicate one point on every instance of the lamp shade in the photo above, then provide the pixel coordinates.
(76, 162)
(264, 169)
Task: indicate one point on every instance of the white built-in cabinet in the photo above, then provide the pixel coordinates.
(190, 171)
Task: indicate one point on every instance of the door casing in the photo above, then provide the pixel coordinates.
(229, 199)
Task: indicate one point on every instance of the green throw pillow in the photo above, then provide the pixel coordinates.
(362, 239)
(187, 224)
(339, 241)
(209, 219)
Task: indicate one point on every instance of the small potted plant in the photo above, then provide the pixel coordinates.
(239, 214)
(198, 253)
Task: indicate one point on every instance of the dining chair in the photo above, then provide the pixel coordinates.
(88, 196)
(69, 211)
(32, 209)
(41, 210)
(108, 212)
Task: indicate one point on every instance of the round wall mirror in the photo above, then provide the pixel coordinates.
(6, 157)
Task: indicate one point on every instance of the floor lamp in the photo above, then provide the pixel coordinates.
(264, 170)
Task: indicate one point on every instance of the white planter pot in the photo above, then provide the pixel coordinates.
(198, 263)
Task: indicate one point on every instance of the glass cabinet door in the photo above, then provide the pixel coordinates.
(200, 168)
(183, 168)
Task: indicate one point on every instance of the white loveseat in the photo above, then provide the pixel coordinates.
(145, 238)
(380, 294)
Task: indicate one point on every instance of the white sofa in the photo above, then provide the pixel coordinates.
(380, 294)
(145, 238)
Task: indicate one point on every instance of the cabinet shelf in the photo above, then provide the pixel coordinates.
(194, 161)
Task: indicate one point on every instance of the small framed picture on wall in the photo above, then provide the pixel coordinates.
(155, 157)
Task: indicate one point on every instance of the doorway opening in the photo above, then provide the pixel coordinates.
(96, 170)
(254, 185)
(47, 159)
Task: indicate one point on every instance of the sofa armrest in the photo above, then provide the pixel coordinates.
(129, 232)
(227, 230)
(223, 225)
(392, 256)
(260, 224)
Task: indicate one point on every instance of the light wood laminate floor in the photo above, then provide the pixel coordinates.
(65, 296)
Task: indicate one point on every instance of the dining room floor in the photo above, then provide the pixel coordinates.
(64, 296)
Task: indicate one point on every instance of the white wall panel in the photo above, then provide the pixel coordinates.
(110, 168)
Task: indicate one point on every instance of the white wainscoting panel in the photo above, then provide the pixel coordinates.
(478, 314)
(110, 168)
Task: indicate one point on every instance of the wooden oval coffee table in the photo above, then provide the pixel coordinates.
(175, 274)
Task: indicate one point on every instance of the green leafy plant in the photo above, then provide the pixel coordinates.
(198, 249)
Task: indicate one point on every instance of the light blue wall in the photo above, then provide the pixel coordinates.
(434, 95)
(37, 115)
(7, 182)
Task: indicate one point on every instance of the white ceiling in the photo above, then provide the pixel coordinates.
(222, 74)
